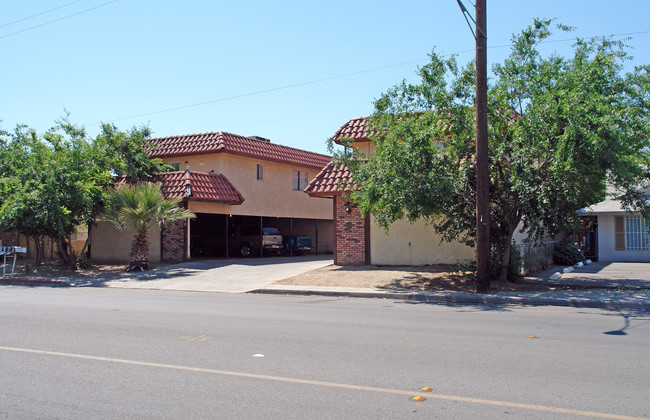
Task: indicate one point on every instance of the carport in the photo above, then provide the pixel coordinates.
(215, 235)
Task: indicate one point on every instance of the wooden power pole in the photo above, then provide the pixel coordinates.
(482, 157)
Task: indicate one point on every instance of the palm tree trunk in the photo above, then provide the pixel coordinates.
(139, 253)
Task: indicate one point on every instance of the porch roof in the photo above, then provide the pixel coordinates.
(330, 180)
(199, 186)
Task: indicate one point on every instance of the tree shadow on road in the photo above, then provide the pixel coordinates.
(631, 319)
(460, 306)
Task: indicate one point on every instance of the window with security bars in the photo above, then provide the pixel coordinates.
(637, 236)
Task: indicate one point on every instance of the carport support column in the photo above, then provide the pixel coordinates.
(189, 256)
(261, 236)
(291, 236)
(173, 237)
(227, 234)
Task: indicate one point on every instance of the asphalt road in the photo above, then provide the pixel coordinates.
(112, 353)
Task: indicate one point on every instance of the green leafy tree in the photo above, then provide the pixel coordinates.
(49, 185)
(125, 153)
(560, 129)
(54, 183)
(141, 207)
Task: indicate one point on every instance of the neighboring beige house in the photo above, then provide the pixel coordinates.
(228, 181)
(358, 240)
(616, 235)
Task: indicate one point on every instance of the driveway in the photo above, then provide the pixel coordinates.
(627, 275)
(237, 275)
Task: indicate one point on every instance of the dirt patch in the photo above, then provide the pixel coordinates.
(53, 270)
(434, 277)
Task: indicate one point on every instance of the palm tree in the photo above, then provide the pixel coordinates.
(141, 207)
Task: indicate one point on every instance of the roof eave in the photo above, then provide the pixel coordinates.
(208, 200)
(242, 154)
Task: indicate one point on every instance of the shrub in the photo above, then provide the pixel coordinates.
(466, 269)
(567, 253)
(83, 262)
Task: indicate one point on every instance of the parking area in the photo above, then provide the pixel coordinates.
(613, 274)
(232, 236)
(237, 275)
(626, 275)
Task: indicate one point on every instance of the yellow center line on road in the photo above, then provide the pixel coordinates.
(321, 383)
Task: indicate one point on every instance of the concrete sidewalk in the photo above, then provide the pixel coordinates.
(617, 285)
(612, 286)
(593, 298)
(237, 275)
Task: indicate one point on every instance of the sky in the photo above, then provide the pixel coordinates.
(290, 71)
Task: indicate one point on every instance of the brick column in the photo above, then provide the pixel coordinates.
(173, 241)
(349, 233)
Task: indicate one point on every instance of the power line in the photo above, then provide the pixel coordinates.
(259, 92)
(340, 76)
(57, 20)
(38, 14)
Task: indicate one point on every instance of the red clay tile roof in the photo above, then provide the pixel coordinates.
(328, 182)
(355, 129)
(221, 142)
(203, 186)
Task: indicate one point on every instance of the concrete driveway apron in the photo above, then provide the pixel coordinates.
(237, 275)
(629, 275)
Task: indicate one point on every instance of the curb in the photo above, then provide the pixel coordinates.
(468, 299)
(34, 282)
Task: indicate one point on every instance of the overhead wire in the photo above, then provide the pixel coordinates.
(57, 20)
(259, 92)
(340, 76)
(38, 14)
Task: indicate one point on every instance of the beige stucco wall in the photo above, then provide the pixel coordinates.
(272, 197)
(414, 244)
(366, 147)
(109, 244)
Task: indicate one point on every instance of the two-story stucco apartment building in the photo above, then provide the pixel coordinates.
(228, 181)
(358, 240)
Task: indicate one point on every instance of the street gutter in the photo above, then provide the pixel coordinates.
(607, 300)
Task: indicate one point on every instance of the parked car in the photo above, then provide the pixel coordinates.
(244, 240)
(250, 241)
(298, 244)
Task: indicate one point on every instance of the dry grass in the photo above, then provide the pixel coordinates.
(53, 270)
(434, 277)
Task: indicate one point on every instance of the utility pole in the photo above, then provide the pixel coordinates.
(482, 157)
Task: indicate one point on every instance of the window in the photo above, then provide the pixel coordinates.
(637, 237)
(299, 180)
(176, 166)
(270, 230)
(260, 172)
